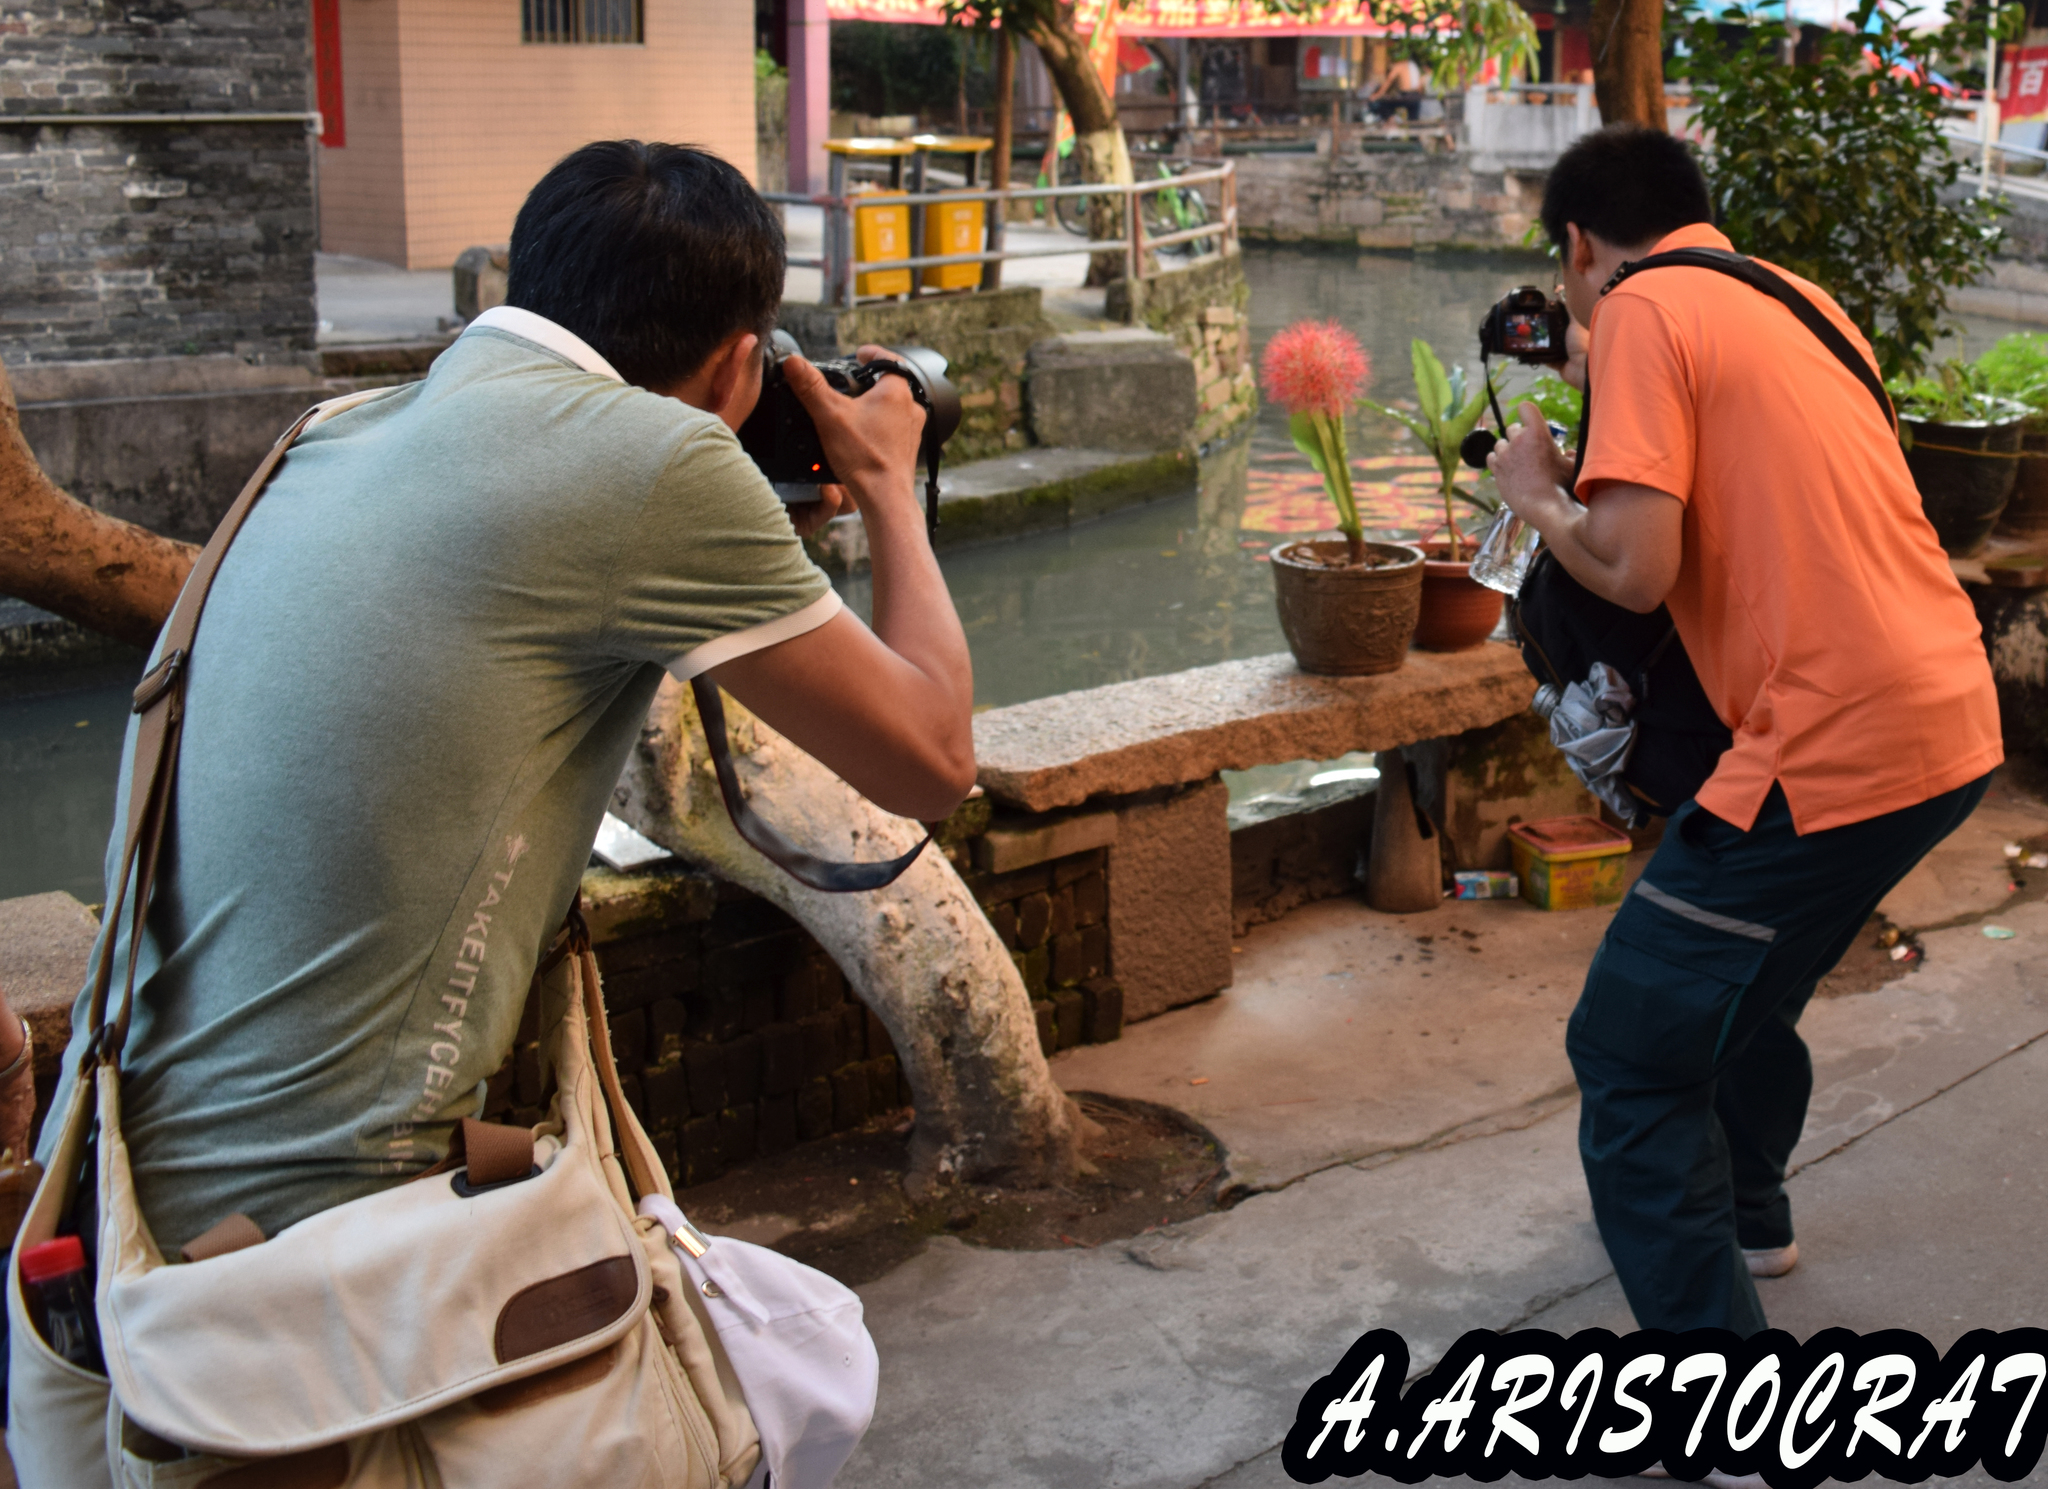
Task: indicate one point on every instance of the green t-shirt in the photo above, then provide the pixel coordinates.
(415, 682)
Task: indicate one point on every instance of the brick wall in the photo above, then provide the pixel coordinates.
(1205, 309)
(737, 1037)
(146, 240)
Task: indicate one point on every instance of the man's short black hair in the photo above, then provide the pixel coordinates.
(653, 254)
(1628, 184)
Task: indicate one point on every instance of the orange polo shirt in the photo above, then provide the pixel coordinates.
(1820, 612)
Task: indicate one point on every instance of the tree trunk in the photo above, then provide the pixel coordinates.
(59, 553)
(1098, 137)
(920, 953)
(1628, 61)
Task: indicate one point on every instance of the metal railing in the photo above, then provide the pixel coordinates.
(1138, 244)
(1969, 127)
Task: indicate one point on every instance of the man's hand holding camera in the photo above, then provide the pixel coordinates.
(873, 442)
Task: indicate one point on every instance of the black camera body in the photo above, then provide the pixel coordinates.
(1527, 325)
(783, 441)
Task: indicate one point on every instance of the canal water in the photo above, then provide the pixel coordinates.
(1179, 583)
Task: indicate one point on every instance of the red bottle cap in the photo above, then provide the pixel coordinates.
(52, 1259)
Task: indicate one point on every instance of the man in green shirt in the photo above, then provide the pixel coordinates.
(429, 651)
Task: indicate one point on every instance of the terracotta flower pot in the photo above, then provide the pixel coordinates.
(1345, 621)
(1458, 612)
(1963, 492)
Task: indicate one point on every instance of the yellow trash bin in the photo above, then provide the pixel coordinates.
(878, 232)
(882, 232)
(952, 227)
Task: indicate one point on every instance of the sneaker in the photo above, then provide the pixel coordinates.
(1772, 1261)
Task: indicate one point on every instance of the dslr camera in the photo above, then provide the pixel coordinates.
(783, 441)
(1527, 325)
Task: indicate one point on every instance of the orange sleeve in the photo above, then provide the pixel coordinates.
(1643, 426)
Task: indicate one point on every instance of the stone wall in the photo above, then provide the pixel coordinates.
(1385, 199)
(155, 240)
(1205, 309)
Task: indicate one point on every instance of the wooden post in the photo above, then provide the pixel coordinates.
(1006, 122)
(1229, 198)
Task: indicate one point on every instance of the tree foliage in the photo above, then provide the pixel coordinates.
(1456, 38)
(1836, 167)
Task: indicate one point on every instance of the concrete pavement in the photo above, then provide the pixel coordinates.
(1392, 1185)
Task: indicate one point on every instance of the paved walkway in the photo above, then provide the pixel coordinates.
(1395, 1093)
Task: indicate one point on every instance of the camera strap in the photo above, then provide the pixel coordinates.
(1757, 277)
(806, 868)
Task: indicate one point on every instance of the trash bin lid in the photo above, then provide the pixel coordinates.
(952, 144)
(869, 147)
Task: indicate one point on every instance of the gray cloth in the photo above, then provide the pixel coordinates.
(1591, 723)
(415, 682)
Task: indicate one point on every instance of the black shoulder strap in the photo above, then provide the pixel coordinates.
(1758, 278)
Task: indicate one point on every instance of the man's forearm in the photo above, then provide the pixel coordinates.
(1624, 548)
(913, 613)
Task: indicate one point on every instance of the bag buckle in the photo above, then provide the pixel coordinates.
(157, 681)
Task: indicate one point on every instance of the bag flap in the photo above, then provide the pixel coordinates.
(371, 1313)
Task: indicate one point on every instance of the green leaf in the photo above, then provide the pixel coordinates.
(1432, 388)
(1308, 439)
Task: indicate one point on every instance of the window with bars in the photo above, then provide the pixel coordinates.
(581, 22)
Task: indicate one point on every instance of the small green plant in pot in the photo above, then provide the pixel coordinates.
(1962, 443)
(2017, 368)
(1347, 606)
(1457, 612)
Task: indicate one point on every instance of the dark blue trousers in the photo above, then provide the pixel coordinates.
(1693, 1079)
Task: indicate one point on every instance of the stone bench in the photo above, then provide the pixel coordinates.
(1134, 767)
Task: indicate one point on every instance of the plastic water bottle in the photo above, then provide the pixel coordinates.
(57, 1286)
(1509, 546)
(1504, 555)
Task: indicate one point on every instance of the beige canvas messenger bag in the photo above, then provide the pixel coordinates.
(504, 1320)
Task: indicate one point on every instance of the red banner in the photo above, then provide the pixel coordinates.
(2023, 85)
(327, 73)
(1159, 17)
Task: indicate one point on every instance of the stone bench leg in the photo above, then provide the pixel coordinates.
(1169, 901)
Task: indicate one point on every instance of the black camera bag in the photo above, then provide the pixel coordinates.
(1565, 628)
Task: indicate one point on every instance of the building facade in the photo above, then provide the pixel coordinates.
(452, 109)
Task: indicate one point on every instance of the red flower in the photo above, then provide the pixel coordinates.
(1315, 367)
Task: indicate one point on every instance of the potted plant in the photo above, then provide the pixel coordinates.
(1457, 611)
(1962, 444)
(1347, 607)
(2017, 368)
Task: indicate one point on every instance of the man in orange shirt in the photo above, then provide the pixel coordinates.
(1741, 475)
